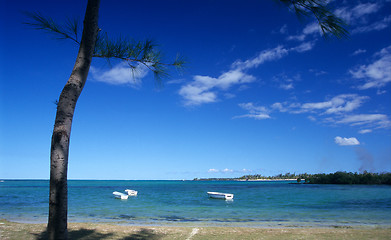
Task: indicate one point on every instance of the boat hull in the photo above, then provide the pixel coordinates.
(120, 195)
(218, 195)
(131, 192)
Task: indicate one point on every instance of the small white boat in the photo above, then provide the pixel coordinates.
(219, 195)
(131, 192)
(120, 195)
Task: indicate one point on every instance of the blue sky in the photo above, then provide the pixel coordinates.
(263, 92)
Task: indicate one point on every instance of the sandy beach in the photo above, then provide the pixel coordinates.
(27, 231)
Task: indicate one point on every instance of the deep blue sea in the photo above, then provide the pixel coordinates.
(255, 204)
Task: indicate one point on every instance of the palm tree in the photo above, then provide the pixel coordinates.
(92, 44)
(95, 44)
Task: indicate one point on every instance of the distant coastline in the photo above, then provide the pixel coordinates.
(245, 180)
(320, 178)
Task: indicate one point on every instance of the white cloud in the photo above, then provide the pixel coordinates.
(257, 116)
(255, 112)
(355, 15)
(304, 47)
(266, 55)
(376, 26)
(120, 74)
(286, 86)
(312, 28)
(377, 120)
(364, 131)
(336, 111)
(309, 30)
(359, 51)
(358, 17)
(284, 29)
(285, 82)
(376, 74)
(227, 170)
(252, 108)
(278, 106)
(338, 104)
(346, 141)
(203, 89)
(196, 95)
(300, 37)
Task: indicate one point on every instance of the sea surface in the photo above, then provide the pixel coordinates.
(181, 203)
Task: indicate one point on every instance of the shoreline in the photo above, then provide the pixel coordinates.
(267, 224)
(13, 230)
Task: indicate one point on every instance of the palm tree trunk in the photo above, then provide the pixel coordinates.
(58, 196)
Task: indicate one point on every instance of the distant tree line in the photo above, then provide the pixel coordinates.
(214, 179)
(279, 176)
(350, 178)
(320, 178)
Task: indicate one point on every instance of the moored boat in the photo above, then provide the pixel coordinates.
(120, 195)
(219, 195)
(131, 192)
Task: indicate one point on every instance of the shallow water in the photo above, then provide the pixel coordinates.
(257, 204)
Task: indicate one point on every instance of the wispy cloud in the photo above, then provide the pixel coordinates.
(311, 29)
(364, 131)
(264, 56)
(355, 16)
(359, 51)
(286, 86)
(375, 120)
(376, 74)
(358, 17)
(227, 170)
(338, 110)
(304, 47)
(120, 74)
(255, 112)
(205, 89)
(337, 104)
(376, 26)
(346, 141)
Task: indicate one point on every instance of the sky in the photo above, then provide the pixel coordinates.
(263, 92)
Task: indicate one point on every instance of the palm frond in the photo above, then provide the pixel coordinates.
(135, 53)
(72, 27)
(67, 31)
(328, 22)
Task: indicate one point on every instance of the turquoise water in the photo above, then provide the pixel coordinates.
(258, 204)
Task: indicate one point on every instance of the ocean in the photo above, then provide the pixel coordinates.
(186, 203)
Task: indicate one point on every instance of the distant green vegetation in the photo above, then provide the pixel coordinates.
(320, 178)
(350, 178)
(279, 176)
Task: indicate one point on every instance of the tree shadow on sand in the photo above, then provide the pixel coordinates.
(86, 234)
(143, 234)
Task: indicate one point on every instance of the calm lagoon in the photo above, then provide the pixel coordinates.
(255, 204)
